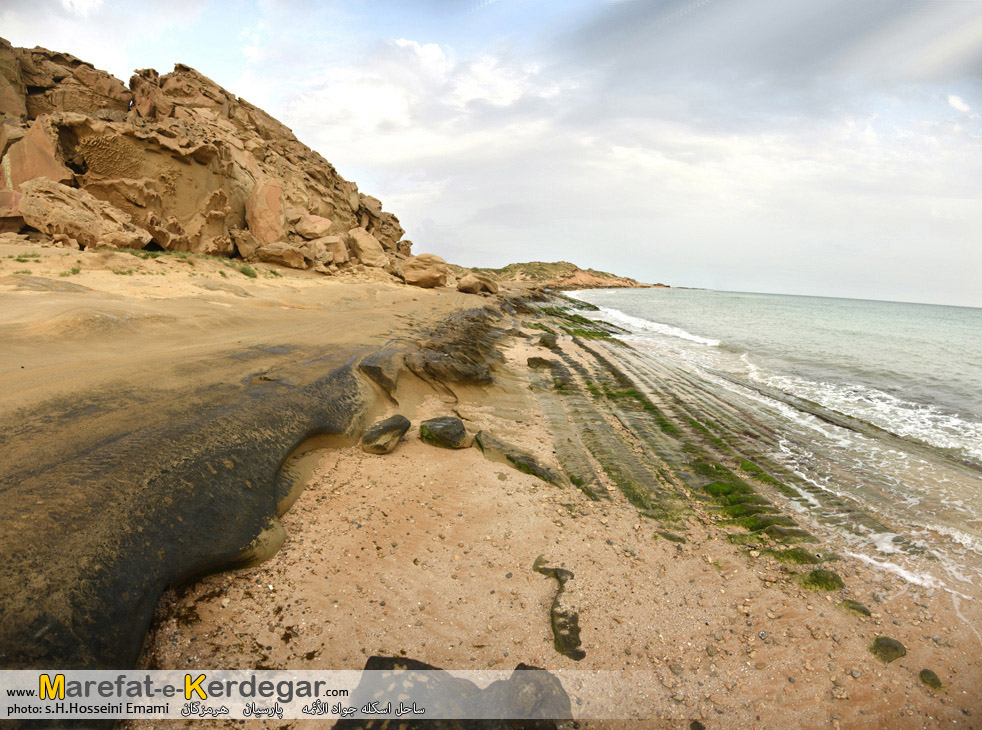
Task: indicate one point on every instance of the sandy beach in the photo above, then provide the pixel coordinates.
(427, 553)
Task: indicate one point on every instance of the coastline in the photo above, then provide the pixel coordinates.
(688, 562)
(226, 373)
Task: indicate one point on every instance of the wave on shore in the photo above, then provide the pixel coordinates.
(646, 325)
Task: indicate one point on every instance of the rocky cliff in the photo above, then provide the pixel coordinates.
(175, 162)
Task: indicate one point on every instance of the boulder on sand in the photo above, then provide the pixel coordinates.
(426, 270)
(319, 251)
(366, 248)
(383, 436)
(475, 284)
(338, 248)
(325, 250)
(446, 432)
(313, 226)
(283, 254)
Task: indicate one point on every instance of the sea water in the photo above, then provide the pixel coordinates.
(911, 372)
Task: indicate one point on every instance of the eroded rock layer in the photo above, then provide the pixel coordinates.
(175, 162)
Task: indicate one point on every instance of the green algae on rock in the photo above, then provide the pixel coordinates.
(886, 649)
(930, 680)
(789, 534)
(671, 536)
(854, 607)
(822, 580)
(796, 556)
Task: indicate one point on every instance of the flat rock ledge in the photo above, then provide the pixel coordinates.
(497, 450)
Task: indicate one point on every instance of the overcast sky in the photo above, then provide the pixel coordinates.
(829, 147)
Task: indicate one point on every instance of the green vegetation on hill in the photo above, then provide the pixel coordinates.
(556, 274)
(536, 270)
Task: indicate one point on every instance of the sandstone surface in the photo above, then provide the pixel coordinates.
(426, 270)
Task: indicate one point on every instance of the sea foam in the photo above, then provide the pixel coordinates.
(646, 325)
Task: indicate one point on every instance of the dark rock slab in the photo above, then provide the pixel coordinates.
(497, 450)
(384, 367)
(447, 432)
(565, 621)
(141, 491)
(548, 341)
(460, 350)
(672, 536)
(383, 436)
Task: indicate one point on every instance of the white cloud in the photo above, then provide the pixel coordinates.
(958, 103)
(487, 160)
(81, 7)
(431, 60)
(410, 101)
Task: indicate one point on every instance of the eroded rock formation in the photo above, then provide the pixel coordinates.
(426, 270)
(174, 162)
